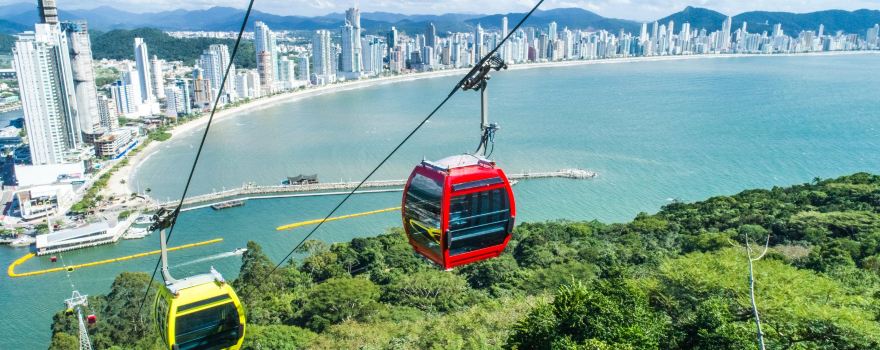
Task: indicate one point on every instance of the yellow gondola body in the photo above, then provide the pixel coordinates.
(200, 312)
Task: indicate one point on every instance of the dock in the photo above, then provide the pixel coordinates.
(251, 191)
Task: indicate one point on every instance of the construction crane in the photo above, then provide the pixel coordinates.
(76, 302)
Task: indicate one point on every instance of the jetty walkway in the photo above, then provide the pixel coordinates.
(250, 191)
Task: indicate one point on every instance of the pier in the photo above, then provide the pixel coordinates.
(250, 191)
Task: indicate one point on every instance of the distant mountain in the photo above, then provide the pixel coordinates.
(565, 17)
(21, 16)
(697, 17)
(834, 20)
(759, 21)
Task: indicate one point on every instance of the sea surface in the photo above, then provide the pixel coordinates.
(654, 131)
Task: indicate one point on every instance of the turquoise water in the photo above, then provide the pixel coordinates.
(654, 131)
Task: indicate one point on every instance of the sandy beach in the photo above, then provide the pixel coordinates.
(121, 185)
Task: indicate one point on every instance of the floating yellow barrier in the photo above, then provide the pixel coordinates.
(315, 222)
(11, 270)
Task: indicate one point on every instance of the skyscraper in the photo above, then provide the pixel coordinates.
(725, 34)
(352, 56)
(80, 51)
(48, 11)
(48, 97)
(479, 46)
(214, 62)
(303, 68)
(321, 56)
(553, 31)
(157, 77)
(107, 113)
(266, 49)
(431, 35)
(145, 75)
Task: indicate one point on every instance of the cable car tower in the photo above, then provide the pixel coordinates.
(76, 302)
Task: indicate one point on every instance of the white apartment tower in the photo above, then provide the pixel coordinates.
(145, 76)
(321, 53)
(48, 97)
(158, 77)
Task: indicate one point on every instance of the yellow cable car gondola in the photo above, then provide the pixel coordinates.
(201, 312)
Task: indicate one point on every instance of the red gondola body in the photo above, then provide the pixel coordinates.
(458, 210)
(92, 319)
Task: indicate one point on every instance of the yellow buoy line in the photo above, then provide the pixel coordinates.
(11, 270)
(343, 217)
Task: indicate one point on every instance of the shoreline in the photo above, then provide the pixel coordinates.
(126, 174)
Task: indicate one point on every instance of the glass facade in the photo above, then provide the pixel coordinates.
(213, 328)
(478, 220)
(422, 212)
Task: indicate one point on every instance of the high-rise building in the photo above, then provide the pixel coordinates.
(431, 35)
(48, 11)
(266, 47)
(322, 57)
(175, 102)
(214, 61)
(45, 80)
(157, 77)
(392, 38)
(479, 45)
(145, 77)
(553, 31)
(303, 69)
(288, 72)
(873, 37)
(725, 34)
(108, 113)
(184, 87)
(80, 46)
(352, 56)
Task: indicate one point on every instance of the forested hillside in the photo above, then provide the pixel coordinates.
(119, 44)
(677, 279)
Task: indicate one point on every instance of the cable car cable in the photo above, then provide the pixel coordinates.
(461, 84)
(177, 209)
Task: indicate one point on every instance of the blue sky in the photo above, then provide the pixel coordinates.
(628, 9)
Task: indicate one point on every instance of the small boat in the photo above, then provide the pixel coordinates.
(23, 241)
(136, 233)
(227, 205)
(144, 220)
(239, 251)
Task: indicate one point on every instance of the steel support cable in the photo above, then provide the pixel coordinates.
(456, 89)
(192, 171)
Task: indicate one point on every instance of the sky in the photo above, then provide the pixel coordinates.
(626, 9)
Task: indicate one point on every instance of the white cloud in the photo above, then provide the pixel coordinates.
(628, 9)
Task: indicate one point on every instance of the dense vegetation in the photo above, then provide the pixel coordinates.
(119, 44)
(673, 280)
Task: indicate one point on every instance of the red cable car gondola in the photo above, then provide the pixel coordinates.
(461, 209)
(458, 210)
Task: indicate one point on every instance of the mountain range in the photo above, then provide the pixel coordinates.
(21, 16)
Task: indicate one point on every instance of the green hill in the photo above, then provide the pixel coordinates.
(672, 280)
(119, 44)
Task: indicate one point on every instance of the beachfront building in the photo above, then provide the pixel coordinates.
(43, 201)
(214, 61)
(144, 71)
(108, 113)
(82, 237)
(322, 58)
(115, 144)
(352, 56)
(82, 69)
(247, 84)
(45, 81)
(158, 77)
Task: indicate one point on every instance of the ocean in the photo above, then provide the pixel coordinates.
(654, 131)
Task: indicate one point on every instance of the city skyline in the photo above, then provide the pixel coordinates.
(637, 11)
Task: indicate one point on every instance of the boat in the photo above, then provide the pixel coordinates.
(23, 241)
(136, 233)
(227, 205)
(144, 220)
(239, 251)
